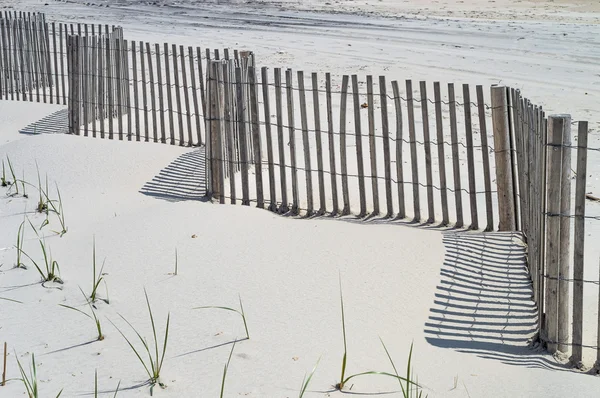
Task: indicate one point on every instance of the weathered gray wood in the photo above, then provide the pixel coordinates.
(62, 62)
(385, 131)
(439, 124)
(84, 81)
(214, 153)
(101, 91)
(228, 130)
(168, 89)
(260, 198)
(144, 89)
(48, 65)
(109, 87)
(579, 242)
(399, 142)
(21, 28)
(186, 98)
(485, 155)
(243, 139)
(542, 253)
(126, 88)
(202, 95)
(6, 65)
(306, 144)
(161, 105)
(280, 141)
(470, 156)
(36, 68)
(77, 84)
(177, 89)
(218, 154)
(413, 150)
(455, 157)
(94, 82)
(55, 52)
(195, 96)
(506, 208)
(526, 144)
(553, 245)
(332, 166)
(565, 236)
(343, 152)
(359, 151)
(372, 144)
(119, 82)
(318, 138)
(533, 244)
(292, 137)
(136, 101)
(513, 161)
(271, 162)
(3, 66)
(427, 147)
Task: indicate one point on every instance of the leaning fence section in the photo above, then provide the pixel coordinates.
(307, 144)
(548, 159)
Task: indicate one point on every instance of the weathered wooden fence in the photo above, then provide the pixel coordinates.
(33, 56)
(312, 155)
(138, 90)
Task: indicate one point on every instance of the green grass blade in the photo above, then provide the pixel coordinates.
(96, 383)
(117, 390)
(306, 381)
(75, 309)
(162, 358)
(218, 308)
(375, 373)
(404, 392)
(225, 370)
(131, 345)
(344, 335)
(154, 366)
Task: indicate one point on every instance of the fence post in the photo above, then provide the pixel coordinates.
(504, 180)
(578, 244)
(557, 238)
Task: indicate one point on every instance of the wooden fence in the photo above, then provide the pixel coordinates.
(315, 158)
(150, 92)
(33, 56)
(543, 172)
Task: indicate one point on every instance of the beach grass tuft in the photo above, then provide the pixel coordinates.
(93, 317)
(240, 312)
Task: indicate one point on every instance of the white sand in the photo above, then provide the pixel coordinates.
(286, 270)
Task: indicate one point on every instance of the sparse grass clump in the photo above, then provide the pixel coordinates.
(96, 386)
(50, 270)
(93, 317)
(343, 378)
(97, 278)
(410, 388)
(225, 370)
(156, 358)
(306, 380)
(30, 382)
(3, 181)
(240, 311)
(19, 246)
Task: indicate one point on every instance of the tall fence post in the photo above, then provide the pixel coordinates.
(504, 180)
(558, 229)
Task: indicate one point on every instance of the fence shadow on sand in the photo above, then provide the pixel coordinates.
(182, 179)
(483, 304)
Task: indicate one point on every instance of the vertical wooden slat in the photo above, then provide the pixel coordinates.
(85, 92)
(109, 87)
(280, 141)
(519, 138)
(332, 168)
(55, 70)
(513, 163)
(413, 150)
(145, 90)
(169, 90)
(101, 79)
(126, 88)
(119, 91)
(48, 62)
(228, 130)
(4, 61)
(161, 106)
(195, 95)
(387, 161)
(94, 81)
(243, 140)
(201, 80)
(359, 152)
(271, 163)
(136, 100)
(178, 93)
(62, 35)
(292, 137)
(372, 144)
(470, 157)
(439, 124)
(399, 142)
(256, 137)
(22, 53)
(555, 140)
(427, 145)
(343, 158)
(455, 157)
(186, 97)
(319, 141)
(485, 154)
(306, 144)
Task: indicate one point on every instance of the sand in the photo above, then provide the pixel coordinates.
(469, 341)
